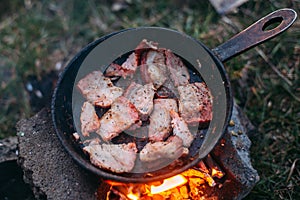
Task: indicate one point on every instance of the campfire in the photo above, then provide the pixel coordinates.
(190, 184)
(226, 174)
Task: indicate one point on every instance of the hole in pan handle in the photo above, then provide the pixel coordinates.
(257, 33)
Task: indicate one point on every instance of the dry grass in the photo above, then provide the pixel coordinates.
(37, 37)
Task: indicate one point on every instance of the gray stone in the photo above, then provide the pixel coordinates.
(8, 149)
(233, 152)
(47, 167)
(12, 185)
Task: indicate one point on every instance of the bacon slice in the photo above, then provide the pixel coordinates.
(178, 71)
(117, 158)
(89, 119)
(160, 119)
(118, 118)
(181, 129)
(98, 89)
(195, 103)
(142, 98)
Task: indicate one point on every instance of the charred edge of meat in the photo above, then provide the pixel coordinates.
(123, 67)
(165, 93)
(114, 69)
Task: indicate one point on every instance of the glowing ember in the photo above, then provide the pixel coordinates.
(169, 183)
(216, 173)
(113, 183)
(195, 173)
(132, 196)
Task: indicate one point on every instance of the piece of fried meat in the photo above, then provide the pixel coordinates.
(195, 103)
(118, 118)
(117, 158)
(98, 89)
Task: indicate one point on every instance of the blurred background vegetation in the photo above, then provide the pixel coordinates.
(37, 38)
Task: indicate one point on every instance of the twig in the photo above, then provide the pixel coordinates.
(234, 26)
(292, 169)
(273, 67)
(291, 93)
(98, 21)
(8, 21)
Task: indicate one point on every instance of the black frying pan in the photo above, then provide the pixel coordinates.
(102, 52)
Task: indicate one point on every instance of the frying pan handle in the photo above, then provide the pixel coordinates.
(256, 33)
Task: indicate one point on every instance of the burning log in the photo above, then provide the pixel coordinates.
(186, 185)
(215, 169)
(169, 184)
(196, 173)
(201, 165)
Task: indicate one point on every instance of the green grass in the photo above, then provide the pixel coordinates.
(34, 37)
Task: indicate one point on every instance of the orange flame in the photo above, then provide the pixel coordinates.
(113, 183)
(132, 196)
(169, 183)
(216, 173)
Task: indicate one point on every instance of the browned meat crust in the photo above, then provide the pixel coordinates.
(160, 119)
(127, 68)
(89, 119)
(118, 118)
(98, 89)
(141, 96)
(117, 158)
(195, 103)
(115, 70)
